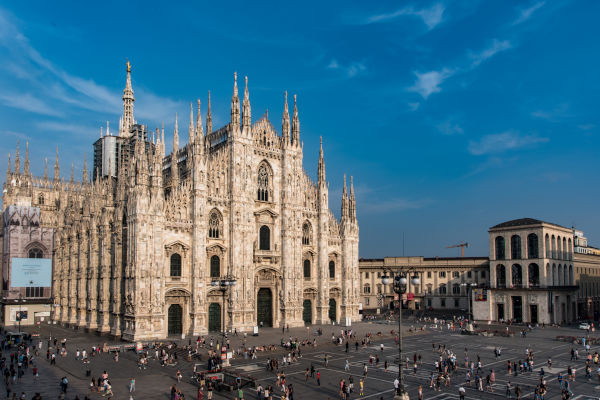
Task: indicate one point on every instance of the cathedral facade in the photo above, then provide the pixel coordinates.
(139, 248)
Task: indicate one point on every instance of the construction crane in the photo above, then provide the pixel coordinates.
(462, 247)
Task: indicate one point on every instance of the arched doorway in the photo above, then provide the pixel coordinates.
(307, 312)
(264, 307)
(175, 319)
(214, 317)
(332, 310)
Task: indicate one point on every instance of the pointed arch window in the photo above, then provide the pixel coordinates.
(35, 253)
(306, 234)
(265, 238)
(215, 267)
(264, 183)
(214, 225)
(175, 265)
(307, 268)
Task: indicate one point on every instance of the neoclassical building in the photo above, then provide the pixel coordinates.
(136, 247)
(532, 278)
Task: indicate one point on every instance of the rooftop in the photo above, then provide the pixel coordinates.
(524, 222)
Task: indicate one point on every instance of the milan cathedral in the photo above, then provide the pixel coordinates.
(138, 248)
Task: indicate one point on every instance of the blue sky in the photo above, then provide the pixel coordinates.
(451, 116)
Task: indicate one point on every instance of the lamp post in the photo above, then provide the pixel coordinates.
(470, 287)
(19, 314)
(400, 285)
(222, 284)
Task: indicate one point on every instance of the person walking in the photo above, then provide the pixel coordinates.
(461, 393)
(318, 378)
(132, 385)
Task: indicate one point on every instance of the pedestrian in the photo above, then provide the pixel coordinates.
(318, 378)
(508, 390)
(362, 387)
(461, 393)
(132, 385)
(420, 392)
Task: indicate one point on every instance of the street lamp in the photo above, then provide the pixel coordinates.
(470, 287)
(222, 284)
(19, 313)
(400, 285)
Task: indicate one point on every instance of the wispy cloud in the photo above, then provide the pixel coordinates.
(349, 70)
(70, 92)
(430, 82)
(27, 102)
(60, 126)
(450, 128)
(501, 142)
(487, 53)
(586, 127)
(431, 16)
(554, 114)
(414, 106)
(525, 13)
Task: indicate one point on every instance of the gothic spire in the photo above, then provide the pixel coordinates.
(162, 138)
(85, 171)
(175, 137)
(56, 167)
(26, 165)
(208, 116)
(17, 160)
(285, 121)
(199, 129)
(46, 168)
(191, 128)
(295, 125)
(321, 170)
(235, 104)
(8, 168)
(352, 200)
(247, 114)
(345, 200)
(128, 100)
(72, 172)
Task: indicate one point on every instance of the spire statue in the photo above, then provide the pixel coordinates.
(208, 116)
(191, 128)
(72, 173)
(17, 160)
(247, 114)
(56, 168)
(295, 125)
(285, 120)
(321, 168)
(85, 171)
(8, 172)
(175, 137)
(235, 104)
(128, 99)
(46, 168)
(26, 165)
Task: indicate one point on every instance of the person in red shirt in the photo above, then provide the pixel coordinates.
(318, 378)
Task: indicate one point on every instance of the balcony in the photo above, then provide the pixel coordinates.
(270, 256)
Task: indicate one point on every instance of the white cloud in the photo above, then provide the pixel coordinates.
(586, 127)
(348, 71)
(68, 90)
(450, 128)
(526, 13)
(27, 102)
(553, 115)
(501, 142)
(429, 82)
(431, 16)
(58, 126)
(414, 106)
(496, 47)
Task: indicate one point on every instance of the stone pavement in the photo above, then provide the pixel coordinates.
(154, 383)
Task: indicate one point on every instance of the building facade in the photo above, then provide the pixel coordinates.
(27, 247)
(445, 283)
(532, 276)
(138, 246)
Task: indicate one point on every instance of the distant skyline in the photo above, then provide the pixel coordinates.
(452, 116)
